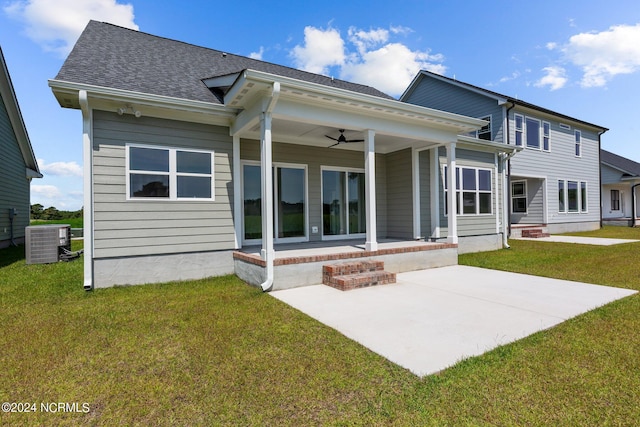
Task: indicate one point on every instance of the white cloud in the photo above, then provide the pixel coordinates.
(374, 59)
(56, 25)
(45, 192)
(322, 49)
(257, 55)
(603, 55)
(60, 168)
(555, 78)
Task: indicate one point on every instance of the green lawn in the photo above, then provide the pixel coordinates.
(218, 352)
(73, 222)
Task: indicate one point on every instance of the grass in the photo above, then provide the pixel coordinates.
(73, 222)
(218, 352)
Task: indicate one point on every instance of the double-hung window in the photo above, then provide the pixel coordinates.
(572, 196)
(473, 191)
(519, 197)
(485, 131)
(533, 133)
(578, 137)
(615, 200)
(169, 173)
(546, 135)
(519, 122)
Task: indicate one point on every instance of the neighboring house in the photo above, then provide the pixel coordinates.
(620, 181)
(191, 154)
(17, 164)
(554, 181)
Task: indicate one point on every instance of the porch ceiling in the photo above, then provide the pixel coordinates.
(301, 133)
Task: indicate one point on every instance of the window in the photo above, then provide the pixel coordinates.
(169, 173)
(475, 195)
(343, 202)
(519, 197)
(615, 200)
(485, 131)
(533, 132)
(546, 135)
(578, 135)
(519, 129)
(565, 126)
(572, 196)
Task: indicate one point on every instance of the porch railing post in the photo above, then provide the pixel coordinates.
(370, 189)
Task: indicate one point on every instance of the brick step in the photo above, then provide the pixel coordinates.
(352, 267)
(534, 233)
(347, 282)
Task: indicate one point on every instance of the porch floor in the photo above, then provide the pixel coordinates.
(341, 249)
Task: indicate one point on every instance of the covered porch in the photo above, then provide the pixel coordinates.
(337, 175)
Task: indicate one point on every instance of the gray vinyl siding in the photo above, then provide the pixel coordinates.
(400, 195)
(433, 93)
(535, 202)
(471, 225)
(131, 227)
(14, 186)
(425, 192)
(561, 163)
(315, 158)
(610, 175)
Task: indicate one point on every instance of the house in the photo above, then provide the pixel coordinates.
(199, 163)
(17, 164)
(620, 180)
(554, 182)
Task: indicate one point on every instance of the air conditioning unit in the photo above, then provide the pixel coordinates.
(46, 243)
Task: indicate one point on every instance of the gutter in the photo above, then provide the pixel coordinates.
(268, 187)
(507, 209)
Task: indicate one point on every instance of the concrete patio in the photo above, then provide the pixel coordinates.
(431, 319)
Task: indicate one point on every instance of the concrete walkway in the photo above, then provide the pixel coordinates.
(433, 318)
(599, 241)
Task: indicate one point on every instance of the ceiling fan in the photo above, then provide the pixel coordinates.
(341, 139)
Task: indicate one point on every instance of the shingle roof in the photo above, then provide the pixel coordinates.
(629, 166)
(497, 95)
(116, 57)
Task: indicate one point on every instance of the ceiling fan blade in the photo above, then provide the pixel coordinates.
(330, 137)
(333, 145)
(355, 140)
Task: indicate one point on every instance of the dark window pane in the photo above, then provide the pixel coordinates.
(148, 159)
(196, 187)
(148, 185)
(572, 196)
(561, 204)
(518, 189)
(484, 180)
(468, 203)
(519, 205)
(357, 208)
(485, 203)
(252, 202)
(583, 196)
(189, 162)
(333, 203)
(468, 179)
(533, 133)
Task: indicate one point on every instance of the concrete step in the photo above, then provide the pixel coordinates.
(356, 274)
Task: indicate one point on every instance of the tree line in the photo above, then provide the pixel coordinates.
(51, 213)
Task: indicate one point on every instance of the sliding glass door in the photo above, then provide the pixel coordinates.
(290, 205)
(343, 203)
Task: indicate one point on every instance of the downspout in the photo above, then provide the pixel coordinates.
(506, 205)
(87, 142)
(633, 204)
(268, 234)
(600, 174)
(508, 178)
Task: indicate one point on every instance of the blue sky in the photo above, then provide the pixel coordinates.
(580, 58)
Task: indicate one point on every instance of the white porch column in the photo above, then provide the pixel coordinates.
(370, 189)
(415, 158)
(452, 233)
(266, 166)
(435, 192)
(237, 192)
(87, 156)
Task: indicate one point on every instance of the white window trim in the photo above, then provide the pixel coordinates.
(321, 228)
(577, 135)
(276, 239)
(611, 199)
(459, 191)
(566, 196)
(173, 174)
(525, 196)
(526, 137)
